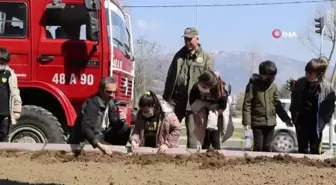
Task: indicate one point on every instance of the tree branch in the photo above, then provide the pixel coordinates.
(150, 66)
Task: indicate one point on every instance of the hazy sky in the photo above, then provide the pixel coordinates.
(227, 28)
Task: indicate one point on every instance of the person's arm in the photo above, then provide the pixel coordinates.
(174, 128)
(194, 94)
(223, 103)
(295, 93)
(90, 114)
(247, 105)
(114, 116)
(332, 94)
(15, 93)
(210, 62)
(137, 130)
(226, 113)
(170, 80)
(281, 112)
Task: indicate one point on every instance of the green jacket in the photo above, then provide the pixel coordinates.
(261, 104)
(183, 73)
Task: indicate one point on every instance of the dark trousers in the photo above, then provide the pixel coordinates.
(190, 125)
(307, 140)
(118, 135)
(212, 137)
(262, 138)
(4, 128)
(180, 111)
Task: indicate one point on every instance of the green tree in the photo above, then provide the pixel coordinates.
(239, 105)
(284, 91)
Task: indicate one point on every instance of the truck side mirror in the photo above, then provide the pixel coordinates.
(132, 58)
(92, 29)
(92, 5)
(129, 55)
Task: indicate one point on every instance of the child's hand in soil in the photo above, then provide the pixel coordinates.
(104, 148)
(162, 149)
(134, 146)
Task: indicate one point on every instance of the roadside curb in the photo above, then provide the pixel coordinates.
(142, 150)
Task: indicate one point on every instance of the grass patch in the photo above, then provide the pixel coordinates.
(237, 134)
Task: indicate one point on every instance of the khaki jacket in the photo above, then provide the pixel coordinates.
(261, 104)
(183, 73)
(15, 102)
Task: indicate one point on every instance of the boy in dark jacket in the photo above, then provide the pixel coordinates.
(312, 106)
(261, 105)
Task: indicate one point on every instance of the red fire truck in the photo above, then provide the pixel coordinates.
(59, 51)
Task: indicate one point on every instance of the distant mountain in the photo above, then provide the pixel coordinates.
(235, 67)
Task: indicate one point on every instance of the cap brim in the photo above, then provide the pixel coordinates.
(188, 35)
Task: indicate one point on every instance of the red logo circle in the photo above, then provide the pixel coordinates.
(276, 33)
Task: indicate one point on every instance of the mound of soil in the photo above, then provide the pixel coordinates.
(198, 169)
(209, 159)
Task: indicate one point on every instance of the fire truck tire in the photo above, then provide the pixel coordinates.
(36, 125)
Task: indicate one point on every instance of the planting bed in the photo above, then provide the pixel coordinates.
(205, 168)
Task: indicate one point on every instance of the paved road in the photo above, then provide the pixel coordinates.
(229, 143)
(237, 122)
(237, 143)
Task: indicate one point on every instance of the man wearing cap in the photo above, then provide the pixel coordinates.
(187, 65)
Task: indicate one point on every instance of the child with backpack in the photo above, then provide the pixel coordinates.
(10, 106)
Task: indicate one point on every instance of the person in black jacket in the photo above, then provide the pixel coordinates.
(10, 99)
(312, 106)
(208, 99)
(100, 121)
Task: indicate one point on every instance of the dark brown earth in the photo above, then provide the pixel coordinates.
(206, 168)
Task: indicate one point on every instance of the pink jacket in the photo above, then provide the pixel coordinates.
(169, 128)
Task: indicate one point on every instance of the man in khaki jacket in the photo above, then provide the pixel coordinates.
(187, 65)
(10, 106)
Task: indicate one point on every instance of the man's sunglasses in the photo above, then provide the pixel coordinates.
(110, 92)
(187, 39)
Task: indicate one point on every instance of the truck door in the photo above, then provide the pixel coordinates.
(65, 58)
(14, 36)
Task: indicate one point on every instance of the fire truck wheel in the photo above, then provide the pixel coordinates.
(36, 125)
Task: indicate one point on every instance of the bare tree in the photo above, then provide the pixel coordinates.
(311, 40)
(150, 67)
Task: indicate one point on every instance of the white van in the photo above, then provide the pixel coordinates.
(284, 139)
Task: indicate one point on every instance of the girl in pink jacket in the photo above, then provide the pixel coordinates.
(156, 124)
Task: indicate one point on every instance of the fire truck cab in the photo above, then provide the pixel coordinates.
(59, 51)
